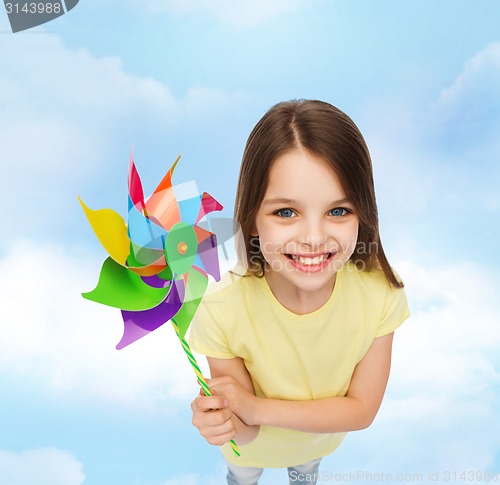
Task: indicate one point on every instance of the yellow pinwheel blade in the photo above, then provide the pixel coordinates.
(111, 231)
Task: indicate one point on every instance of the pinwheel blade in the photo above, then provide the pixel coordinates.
(207, 252)
(135, 191)
(144, 232)
(208, 204)
(111, 231)
(189, 209)
(162, 206)
(195, 289)
(160, 261)
(145, 261)
(139, 324)
(120, 288)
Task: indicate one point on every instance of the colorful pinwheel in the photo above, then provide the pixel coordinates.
(158, 264)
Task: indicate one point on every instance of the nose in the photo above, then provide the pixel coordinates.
(313, 235)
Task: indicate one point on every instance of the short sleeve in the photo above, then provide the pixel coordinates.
(206, 335)
(395, 311)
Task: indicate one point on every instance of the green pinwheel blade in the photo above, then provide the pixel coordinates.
(121, 288)
(195, 289)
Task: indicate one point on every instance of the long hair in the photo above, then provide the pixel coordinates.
(331, 135)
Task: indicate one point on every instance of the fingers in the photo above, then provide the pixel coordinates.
(212, 414)
(217, 430)
(212, 417)
(209, 403)
(203, 414)
(220, 380)
(222, 439)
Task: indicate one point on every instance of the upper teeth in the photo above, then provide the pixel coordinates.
(309, 261)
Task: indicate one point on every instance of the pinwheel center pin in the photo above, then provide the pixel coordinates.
(182, 247)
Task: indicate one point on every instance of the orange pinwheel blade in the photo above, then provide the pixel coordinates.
(162, 206)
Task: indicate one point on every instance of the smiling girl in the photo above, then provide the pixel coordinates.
(299, 349)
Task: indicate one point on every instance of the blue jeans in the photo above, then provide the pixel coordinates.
(306, 474)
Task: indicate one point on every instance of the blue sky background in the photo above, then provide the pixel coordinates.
(421, 79)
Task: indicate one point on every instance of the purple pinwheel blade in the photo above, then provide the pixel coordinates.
(155, 282)
(207, 253)
(139, 324)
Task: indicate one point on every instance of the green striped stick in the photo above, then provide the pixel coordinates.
(199, 375)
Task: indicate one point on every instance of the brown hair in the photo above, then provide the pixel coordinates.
(330, 134)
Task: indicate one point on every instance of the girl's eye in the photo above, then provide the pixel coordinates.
(339, 212)
(285, 213)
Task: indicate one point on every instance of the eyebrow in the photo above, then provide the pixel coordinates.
(284, 200)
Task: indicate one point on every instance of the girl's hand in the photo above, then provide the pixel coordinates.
(242, 402)
(212, 417)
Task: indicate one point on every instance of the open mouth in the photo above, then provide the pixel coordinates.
(313, 260)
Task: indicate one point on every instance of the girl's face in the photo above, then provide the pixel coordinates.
(307, 227)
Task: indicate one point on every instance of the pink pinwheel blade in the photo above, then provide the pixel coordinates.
(139, 324)
(135, 185)
(208, 204)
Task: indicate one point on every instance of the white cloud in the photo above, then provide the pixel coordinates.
(62, 113)
(478, 81)
(210, 477)
(466, 114)
(61, 107)
(442, 403)
(53, 338)
(243, 13)
(69, 118)
(462, 114)
(46, 466)
(436, 165)
(70, 94)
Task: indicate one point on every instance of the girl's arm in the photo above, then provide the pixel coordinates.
(212, 414)
(355, 411)
(237, 370)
